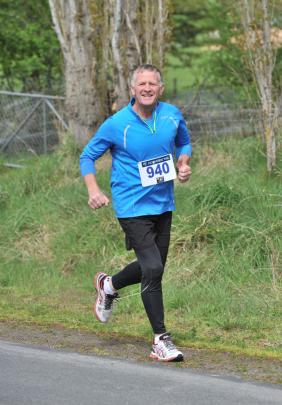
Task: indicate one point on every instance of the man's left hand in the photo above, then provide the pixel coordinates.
(184, 170)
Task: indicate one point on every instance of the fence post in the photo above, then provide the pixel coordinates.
(44, 128)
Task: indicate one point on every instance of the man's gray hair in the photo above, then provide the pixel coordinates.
(142, 68)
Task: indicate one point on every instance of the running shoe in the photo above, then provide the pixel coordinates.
(163, 349)
(103, 306)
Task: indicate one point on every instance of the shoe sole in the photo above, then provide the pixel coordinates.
(95, 282)
(178, 358)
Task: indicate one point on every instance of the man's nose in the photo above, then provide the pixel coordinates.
(147, 87)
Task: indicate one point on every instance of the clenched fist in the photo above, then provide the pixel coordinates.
(97, 200)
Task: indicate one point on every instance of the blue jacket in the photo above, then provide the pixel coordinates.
(130, 140)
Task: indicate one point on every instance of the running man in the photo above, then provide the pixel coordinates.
(143, 139)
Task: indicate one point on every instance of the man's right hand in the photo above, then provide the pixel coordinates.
(97, 200)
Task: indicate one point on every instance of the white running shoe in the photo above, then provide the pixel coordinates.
(164, 350)
(103, 306)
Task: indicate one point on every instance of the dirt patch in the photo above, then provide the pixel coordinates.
(209, 361)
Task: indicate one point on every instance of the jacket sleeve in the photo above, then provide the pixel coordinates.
(96, 147)
(182, 140)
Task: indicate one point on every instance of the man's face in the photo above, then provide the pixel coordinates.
(146, 89)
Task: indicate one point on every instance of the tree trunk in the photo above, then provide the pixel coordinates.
(149, 30)
(134, 55)
(138, 36)
(121, 88)
(85, 100)
(257, 32)
(102, 42)
(161, 30)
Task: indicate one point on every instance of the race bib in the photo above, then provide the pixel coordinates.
(157, 170)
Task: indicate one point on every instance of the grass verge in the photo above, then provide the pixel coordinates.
(223, 280)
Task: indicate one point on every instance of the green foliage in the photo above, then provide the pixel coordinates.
(202, 50)
(206, 41)
(186, 61)
(230, 62)
(227, 61)
(189, 20)
(223, 279)
(29, 50)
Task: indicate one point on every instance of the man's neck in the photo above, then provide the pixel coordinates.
(144, 113)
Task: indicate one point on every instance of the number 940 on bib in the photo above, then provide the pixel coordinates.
(157, 170)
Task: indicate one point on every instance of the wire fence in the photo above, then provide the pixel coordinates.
(31, 123)
(219, 111)
(206, 121)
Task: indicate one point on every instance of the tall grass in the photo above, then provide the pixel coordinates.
(223, 279)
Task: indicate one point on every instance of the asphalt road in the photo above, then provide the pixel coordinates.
(30, 375)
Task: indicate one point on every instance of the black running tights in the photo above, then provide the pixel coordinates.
(149, 236)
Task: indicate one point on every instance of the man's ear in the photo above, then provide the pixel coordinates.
(132, 91)
(162, 88)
